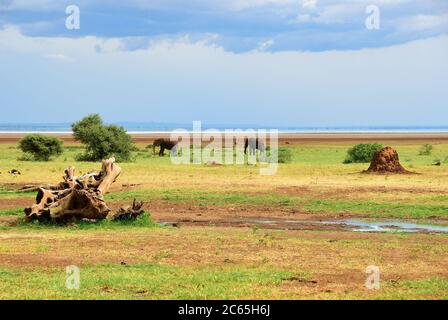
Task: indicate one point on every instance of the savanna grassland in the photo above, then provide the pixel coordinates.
(204, 256)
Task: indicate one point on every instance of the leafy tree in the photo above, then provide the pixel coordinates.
(362, 152)
(102, 141)
(40, 147)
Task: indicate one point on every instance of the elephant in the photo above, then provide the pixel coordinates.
(254, 144)
(164, 144)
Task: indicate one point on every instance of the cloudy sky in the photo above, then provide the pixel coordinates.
(272, 62)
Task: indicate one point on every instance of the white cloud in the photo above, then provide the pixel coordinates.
(304, 18)
(422, 22)
(309, 4)
(241, 24)
(199, 80)
(331, 13)
(264, 45)
(29, 4)
(11, 39)
(221, 5)
(60, 57)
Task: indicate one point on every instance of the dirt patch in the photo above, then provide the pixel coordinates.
(164, 210)
(261, 222)
(33, 260)
(293, 190)
(15, 186)
(15, 203)
(161, 210)
(9, 221)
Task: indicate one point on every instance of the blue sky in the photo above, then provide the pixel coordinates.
(277, 62)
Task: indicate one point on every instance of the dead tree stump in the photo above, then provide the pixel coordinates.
(77, 197)
(128, 212)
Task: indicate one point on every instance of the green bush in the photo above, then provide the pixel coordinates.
(362, 152)
(40, 147)
(426, 150)
(284, 155)
(102, 141)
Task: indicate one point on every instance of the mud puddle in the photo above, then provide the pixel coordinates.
(391, 226)
(355, 225)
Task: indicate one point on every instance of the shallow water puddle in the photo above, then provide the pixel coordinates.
(355, 225)
(389, 226)
(367, 225)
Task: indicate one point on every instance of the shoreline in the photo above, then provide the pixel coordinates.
(296, 137)
(280, 132)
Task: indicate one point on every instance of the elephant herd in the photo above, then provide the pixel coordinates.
(252, 143)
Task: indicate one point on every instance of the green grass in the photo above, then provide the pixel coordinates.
(143, 221)
(203, 198)
(145, 281)
(321, 154)
(160, 281)
(12, 212)
(427, 288)
(422, 207)
(223, 262)
(14, 193)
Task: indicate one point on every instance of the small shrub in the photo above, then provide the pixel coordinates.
(426, 150)
(362, 152)
(40, 147)
(284, 155)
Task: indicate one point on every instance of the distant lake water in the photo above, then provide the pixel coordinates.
(141, 128)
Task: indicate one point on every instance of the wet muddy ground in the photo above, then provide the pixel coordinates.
(188, 213)
(341, 225)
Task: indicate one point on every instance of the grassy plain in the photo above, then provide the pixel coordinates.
(147, 261)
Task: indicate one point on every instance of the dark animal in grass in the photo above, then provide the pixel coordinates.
(14, 172)
(437, 163)
(164, 144)
(254, 144)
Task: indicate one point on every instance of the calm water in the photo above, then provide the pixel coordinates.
(391, 226)
(148, 127)
(355, 225)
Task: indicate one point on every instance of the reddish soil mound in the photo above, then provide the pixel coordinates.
(386, 160)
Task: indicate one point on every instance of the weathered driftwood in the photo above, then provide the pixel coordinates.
(78, 197)
(128, 212)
